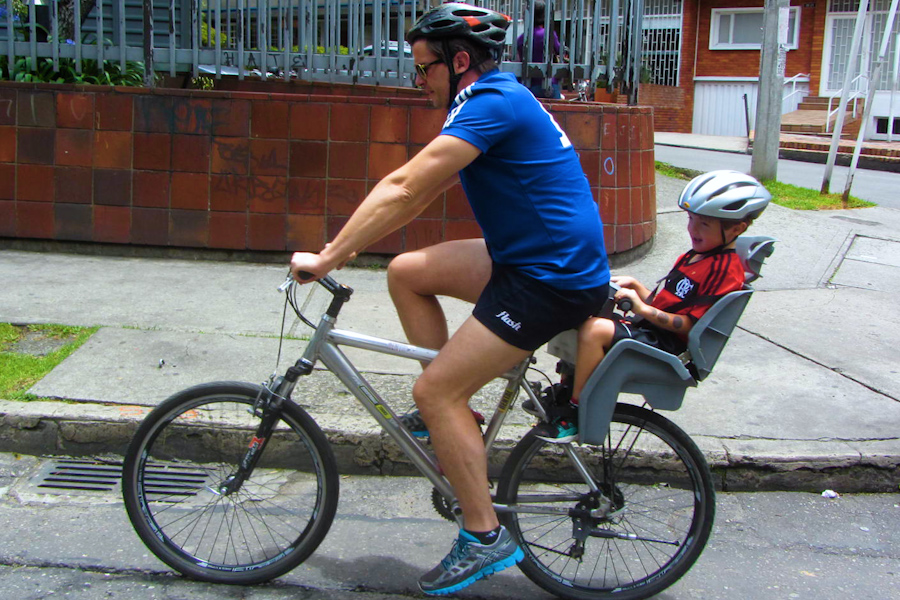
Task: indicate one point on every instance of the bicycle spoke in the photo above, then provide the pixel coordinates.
(636, 516)
(263, 527)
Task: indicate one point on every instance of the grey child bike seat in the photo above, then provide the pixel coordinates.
(662, 378)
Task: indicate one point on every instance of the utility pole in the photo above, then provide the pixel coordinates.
(874, 80)
(773, 55)
(852, 68)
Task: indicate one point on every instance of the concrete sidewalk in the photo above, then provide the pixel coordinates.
(806, 396)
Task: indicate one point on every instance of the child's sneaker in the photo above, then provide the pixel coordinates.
(554, 398)
(558, 431)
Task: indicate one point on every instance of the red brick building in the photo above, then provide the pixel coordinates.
(719, 62)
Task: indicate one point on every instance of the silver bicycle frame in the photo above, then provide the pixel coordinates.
(325, 346)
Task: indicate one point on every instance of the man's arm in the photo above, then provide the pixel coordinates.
(395, 201)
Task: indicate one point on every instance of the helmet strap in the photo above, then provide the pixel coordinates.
(454, 76)
(725, 242)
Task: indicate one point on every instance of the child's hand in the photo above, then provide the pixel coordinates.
(625, 281)
(631, 296)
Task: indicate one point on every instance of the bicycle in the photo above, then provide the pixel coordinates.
(231, 482)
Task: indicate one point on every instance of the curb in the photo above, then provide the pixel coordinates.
(47, 428)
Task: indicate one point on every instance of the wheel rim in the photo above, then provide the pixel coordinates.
(651, 492)
(188, 457)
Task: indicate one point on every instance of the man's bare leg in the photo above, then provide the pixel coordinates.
(471, 358)
(459, 269)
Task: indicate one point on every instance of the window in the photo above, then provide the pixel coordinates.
(741, 29)
(881, 125)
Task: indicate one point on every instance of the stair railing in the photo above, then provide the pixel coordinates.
(793, 81)
(861, 85)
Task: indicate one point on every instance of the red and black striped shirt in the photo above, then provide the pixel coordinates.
(691, 288)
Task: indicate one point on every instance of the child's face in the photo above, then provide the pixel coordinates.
(706, 232)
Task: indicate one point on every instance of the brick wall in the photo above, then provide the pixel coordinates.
(745, 63)
(673, 107)
(263, 171)
(817, 43)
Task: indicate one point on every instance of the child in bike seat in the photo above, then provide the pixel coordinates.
(721, 205)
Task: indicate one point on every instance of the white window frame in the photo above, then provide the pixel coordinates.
(715, 18)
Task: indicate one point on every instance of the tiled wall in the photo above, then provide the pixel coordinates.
(262, 171)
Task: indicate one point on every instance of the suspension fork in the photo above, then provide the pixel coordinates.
(268, 407)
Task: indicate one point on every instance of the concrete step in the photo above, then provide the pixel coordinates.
(821, 103)
(813, 122)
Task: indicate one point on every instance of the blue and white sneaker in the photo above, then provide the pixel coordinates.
(469, 561)
(416, 425)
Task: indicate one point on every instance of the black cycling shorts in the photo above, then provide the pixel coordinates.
(526, 312)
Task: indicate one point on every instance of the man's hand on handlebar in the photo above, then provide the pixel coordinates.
(307, 267)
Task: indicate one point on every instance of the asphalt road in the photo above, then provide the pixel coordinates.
(765, 546)
(879, 187)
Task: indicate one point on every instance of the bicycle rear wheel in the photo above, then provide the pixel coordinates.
(189, 446)
(637, 534)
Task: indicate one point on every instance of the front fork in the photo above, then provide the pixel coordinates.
(268, 408)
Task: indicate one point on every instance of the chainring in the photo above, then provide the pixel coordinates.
(441, 506)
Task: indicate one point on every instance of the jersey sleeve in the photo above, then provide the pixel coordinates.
(483, 119)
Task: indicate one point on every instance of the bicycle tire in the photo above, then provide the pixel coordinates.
(661, 491)
(189, 445)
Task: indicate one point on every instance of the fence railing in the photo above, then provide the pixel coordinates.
(349, 41)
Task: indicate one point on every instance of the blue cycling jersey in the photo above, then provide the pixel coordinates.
(527, 189)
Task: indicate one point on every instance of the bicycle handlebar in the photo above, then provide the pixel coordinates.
(327, 282)
(625, 305)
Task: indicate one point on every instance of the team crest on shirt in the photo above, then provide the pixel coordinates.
(683, 288)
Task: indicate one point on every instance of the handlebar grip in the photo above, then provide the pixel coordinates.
(291, 281)
(625, 305)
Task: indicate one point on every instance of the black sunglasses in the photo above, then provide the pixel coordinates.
(422, 70)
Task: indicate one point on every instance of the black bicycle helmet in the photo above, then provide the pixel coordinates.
(454, 19)
(728, 195)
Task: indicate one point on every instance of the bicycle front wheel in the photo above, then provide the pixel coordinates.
(640, 528)
(189, 447)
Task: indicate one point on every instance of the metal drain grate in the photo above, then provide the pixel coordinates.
(173, 481)
(73, 476)
(91, 477)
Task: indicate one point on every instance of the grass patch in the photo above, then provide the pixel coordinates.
(18, 372)
(783, 194)
(676, 172)
(801, 198)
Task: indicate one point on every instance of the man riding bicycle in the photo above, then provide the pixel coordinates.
(541, 267)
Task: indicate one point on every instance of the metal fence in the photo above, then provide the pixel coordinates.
(349, 41)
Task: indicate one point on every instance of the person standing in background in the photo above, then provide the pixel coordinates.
(536, 84)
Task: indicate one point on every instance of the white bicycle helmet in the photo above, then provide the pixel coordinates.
(728, 195)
